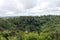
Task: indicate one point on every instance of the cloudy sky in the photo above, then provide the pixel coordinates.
(29, 7)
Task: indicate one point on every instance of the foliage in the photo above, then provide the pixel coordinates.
(30, 28)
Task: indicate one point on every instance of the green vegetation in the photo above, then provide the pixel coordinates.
(30, 28)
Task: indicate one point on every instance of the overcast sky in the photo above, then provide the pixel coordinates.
(29, 7)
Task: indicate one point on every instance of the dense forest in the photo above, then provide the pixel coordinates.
(30, 28)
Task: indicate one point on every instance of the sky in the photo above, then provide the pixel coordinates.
(29, 7)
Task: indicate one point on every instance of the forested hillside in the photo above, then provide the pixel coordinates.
(30, 23)
(42, 28)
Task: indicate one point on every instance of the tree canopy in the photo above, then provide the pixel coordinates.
(31, 23)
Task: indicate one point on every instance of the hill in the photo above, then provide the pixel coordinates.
(31, 23)
(30, 28)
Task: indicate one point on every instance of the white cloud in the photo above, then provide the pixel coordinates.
(29, 7)
(1, 2)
